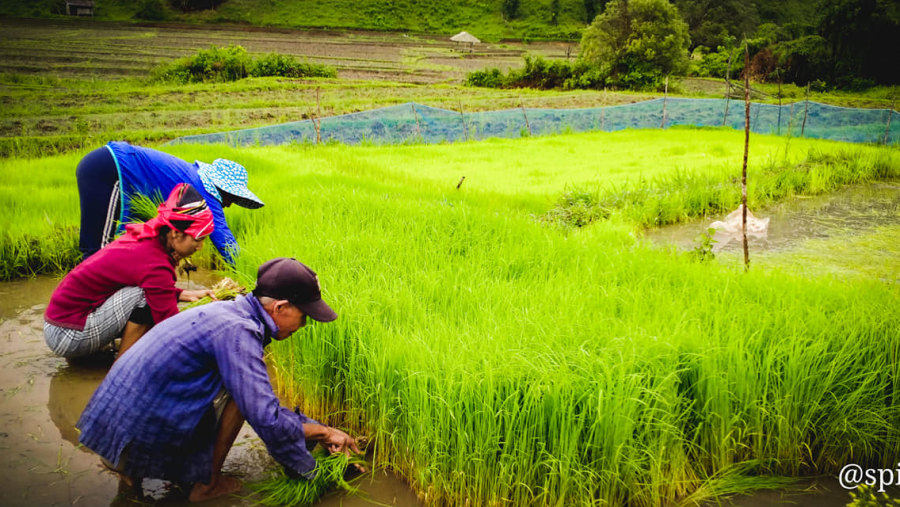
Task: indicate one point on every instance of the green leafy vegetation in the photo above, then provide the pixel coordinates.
(218, 64)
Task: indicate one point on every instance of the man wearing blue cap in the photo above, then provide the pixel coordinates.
(172, 405)
(109, 177)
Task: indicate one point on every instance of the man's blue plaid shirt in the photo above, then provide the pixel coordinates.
(157, 398)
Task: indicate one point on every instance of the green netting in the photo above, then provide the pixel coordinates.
(413, 122)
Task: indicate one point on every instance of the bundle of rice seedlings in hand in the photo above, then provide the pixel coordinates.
(282, 490)
(224, 290)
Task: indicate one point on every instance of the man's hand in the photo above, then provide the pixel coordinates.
(189, 296)
(336, 440)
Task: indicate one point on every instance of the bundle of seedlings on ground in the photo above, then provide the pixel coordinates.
(225, 289)
(282, 490)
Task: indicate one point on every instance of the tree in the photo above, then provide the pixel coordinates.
(592, 8)
(635, 43)
(710, 21)
(861, 37)
(510, 8)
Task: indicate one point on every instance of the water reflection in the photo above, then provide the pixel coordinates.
(853, 232)
(851, 210)
(70, 389)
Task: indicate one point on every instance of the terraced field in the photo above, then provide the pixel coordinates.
(64, 48)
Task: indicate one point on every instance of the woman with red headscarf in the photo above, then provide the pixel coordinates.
(129, 285)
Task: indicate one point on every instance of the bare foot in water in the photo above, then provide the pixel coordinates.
(220, 486)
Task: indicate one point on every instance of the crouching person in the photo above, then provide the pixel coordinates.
(172, 407)
(130, 284)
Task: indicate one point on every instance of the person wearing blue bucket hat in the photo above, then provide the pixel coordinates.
(111, 176)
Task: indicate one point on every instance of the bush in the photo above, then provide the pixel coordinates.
(232, 63)
(715, 64)
(541, 74)
(151, 10)
(275, 64)
(214, 64)
(488, 78)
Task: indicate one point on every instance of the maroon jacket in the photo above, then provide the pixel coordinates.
(143, 264)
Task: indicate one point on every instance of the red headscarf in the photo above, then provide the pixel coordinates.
(184, 210)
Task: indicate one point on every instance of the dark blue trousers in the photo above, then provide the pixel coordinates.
(98, 191)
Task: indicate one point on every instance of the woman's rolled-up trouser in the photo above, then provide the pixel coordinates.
(103, 326)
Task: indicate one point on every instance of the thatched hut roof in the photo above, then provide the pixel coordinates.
(465, 37)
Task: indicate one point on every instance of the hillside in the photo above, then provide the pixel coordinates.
(485, 19)
(534, 19)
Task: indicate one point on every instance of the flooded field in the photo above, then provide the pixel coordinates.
(854, 231)
(42, 399)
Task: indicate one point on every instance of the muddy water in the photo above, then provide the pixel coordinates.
(41, 398)
(851, 231)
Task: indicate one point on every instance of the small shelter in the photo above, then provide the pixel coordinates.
(80, 7)
(464, 38)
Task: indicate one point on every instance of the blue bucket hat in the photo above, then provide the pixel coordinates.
(229, 177)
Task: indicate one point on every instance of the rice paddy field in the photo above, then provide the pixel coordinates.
(496, 353)
(508, 333)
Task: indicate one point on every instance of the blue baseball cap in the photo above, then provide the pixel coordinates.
(229, 177)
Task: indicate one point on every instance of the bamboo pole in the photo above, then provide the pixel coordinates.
(746, 150)
(805, 111)
(522, 104)
(791, 121)
(318, 120)
(727, 87)
(887, 128)
(779, 105)
(662, 124)
(416, 114)
(463, 117)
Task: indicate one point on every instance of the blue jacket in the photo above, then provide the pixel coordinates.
(153, 173)
(157, 399)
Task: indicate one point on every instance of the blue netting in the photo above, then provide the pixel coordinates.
(412, 122)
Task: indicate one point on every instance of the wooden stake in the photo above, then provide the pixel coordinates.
(727, 87)
(526, 116)
(465, 128)
(418, 127)
(317, 120)
(887, 128)
(805, 112)
(779, 105)
(791, 121)
(746, 150)
(662, 124)
(315, 123)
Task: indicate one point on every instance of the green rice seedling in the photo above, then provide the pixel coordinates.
(495, 360)
(282, 490)
(224, 290)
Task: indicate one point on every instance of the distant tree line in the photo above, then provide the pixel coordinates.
(844, 44)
